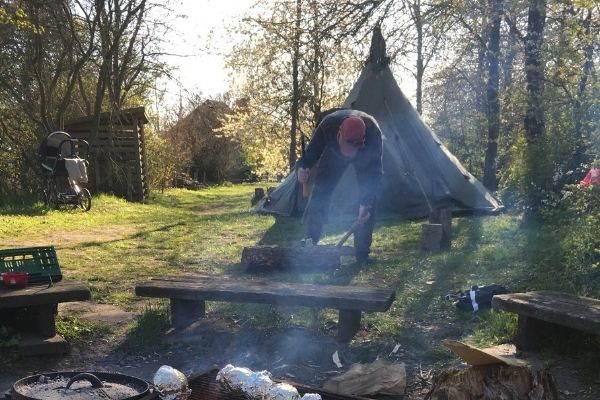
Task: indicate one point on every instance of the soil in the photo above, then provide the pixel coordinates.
(293, 354)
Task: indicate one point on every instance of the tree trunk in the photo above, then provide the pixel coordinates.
(534, 124)
(295, 88)
(489, 382)
(420, 64)
(493, 104)
(577, 158)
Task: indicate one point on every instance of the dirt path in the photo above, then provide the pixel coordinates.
(294, 354)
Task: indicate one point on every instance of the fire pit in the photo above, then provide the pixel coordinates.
(205, 387)
(81, 386)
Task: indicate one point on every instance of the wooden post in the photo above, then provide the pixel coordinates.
(532, 333)
(348, 324)
(443, 216)
(44, 319)
(431, 237)
(129, 181)
(184, 312)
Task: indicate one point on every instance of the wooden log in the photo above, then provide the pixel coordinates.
(443, 216)
(492, 382)
(184, 312)
(274, 258)
(348, 324)
(431, 237)
(380, 377)
(259, 193)
(44, 319)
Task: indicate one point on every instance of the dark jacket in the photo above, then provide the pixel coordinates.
(367, 162)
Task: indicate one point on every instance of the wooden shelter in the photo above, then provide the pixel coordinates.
(117, 151)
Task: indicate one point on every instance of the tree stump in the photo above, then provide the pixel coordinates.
(431, 237)
(259, 193)
(443, 216)
(492, 382)
(273, 258)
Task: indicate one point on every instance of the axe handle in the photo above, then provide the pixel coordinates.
(347, 234)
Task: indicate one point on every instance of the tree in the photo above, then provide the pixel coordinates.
(59, 59)
(291, 65)
(493, 102)
(534, 123)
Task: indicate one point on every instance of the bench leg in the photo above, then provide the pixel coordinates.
(184, 312)
(348, 325)
(44, 319)
(533, 334)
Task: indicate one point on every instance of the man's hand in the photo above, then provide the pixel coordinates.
(364, 213)
(303, 175)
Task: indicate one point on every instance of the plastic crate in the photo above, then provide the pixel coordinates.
(40, 263)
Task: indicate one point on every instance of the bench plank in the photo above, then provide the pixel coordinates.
(39, 295)
(187, 294)
(269, 292)
(581, 313)
(32, 311)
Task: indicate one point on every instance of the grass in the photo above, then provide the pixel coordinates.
(118, 243)
(147, 331)
(76, 328)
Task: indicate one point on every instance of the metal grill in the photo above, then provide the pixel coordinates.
(205, 387)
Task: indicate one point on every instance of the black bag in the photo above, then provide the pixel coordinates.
(476, 298)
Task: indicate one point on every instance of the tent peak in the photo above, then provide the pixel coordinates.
(377, 51)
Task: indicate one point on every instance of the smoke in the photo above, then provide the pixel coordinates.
(294, 353)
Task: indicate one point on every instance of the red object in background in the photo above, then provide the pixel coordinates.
(592, 178)
(15, 280)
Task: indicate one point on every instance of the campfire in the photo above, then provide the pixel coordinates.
(205, 386)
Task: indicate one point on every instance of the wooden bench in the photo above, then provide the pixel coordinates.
(543, 312)
(32, 311)
(188, 294)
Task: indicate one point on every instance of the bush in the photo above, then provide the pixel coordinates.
(574, 220)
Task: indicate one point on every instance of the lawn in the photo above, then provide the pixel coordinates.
(118, 243)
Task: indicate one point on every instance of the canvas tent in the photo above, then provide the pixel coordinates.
(420, 174)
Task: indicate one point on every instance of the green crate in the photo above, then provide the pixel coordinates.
(40, 263)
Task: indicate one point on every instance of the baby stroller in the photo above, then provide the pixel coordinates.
(65, 170)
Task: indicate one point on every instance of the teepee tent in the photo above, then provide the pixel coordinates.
(420, 174)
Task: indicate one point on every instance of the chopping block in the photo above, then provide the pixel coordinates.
(309, 258)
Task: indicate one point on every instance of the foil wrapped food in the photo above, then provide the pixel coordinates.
(236, 378)
(171, 384)
(311, 396)
(282, 391)
(258, 385)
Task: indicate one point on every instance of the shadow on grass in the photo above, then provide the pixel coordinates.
(285, 231)
(24, 210)
(148, 330)
(139, 234)
(422, 286)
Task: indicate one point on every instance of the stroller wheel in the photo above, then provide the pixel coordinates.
(84, 200)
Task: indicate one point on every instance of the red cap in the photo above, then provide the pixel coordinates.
(351, 136)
